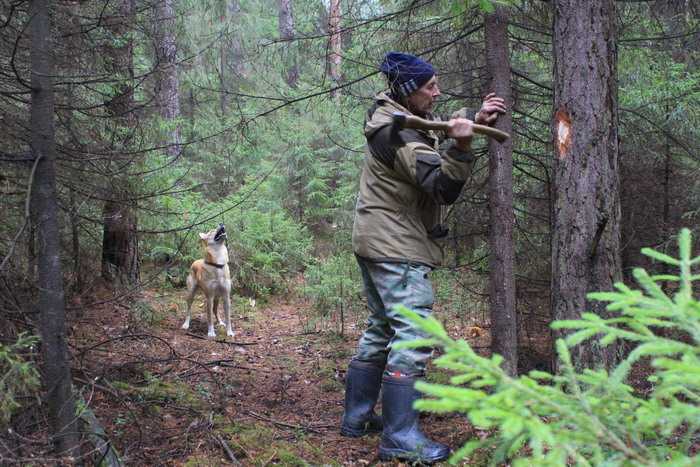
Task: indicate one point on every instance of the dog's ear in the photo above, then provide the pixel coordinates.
(202, 236)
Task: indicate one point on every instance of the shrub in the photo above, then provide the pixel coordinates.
(592, 417)
(267, 247)
(333, 284)
(18, 377)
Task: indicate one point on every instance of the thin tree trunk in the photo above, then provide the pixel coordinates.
(75, 242)
(73, 67)
(586, 198)
(51, 302)
(334, 44)
(286, 29)
(504, 323)
(168, 84)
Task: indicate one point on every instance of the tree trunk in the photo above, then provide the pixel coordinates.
(51, 304)
(231, 54)
(75, 242)
(286, 28)
(334, 45)
(586, 198)
(168, 84)
(119, 239)
(504, 323)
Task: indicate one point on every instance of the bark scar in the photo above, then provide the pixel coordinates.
(596, 239)
(563, 127)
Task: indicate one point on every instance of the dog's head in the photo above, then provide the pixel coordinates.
(215, 236)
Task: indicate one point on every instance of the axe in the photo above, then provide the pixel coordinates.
(402, 120)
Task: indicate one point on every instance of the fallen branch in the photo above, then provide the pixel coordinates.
(220, 341)
(99, 438)
(227, 449)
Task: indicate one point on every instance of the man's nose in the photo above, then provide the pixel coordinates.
(437, 92)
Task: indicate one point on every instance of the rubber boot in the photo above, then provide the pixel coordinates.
(362, 384)
(402, 438)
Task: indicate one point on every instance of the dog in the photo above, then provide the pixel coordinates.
(211, 275)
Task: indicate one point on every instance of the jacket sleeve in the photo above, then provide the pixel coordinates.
(439, 174)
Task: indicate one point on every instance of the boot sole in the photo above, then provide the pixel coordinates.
(398, 454)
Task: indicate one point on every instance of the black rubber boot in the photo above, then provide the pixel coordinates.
(362, 384)
(402, 438)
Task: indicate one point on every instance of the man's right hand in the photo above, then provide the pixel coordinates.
(461, 130)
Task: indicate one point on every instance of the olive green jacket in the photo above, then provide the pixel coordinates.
(404, 188)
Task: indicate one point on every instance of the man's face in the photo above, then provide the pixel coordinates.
(422, 100)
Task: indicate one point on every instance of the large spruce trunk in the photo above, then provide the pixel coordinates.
(586, 198)
(119, 241)
(56, 375)
(504, 323)
(168, 82)
(286, 29)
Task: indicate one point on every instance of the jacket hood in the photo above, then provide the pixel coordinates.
(381, 113)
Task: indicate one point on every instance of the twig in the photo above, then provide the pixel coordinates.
(220, 341)
(274, 453)
(228, 450)
(27, 212)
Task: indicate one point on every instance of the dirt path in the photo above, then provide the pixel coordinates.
(271, 395)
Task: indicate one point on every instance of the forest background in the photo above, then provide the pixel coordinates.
(128, 126)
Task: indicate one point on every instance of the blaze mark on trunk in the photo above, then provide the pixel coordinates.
(563, 123)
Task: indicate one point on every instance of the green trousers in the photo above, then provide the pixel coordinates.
(388, 285)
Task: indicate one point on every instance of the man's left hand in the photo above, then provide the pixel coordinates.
(490, 108)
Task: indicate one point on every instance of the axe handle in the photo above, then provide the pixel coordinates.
(417, 123)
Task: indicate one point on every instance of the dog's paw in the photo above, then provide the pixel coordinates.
(186, 325)
(211, 333)
(230, 333)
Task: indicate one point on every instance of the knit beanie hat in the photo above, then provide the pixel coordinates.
(406, 72)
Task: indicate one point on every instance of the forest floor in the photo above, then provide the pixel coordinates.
(271, 395)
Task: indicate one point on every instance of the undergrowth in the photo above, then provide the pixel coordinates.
(593, 417)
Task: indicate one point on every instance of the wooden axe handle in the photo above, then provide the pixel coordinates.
(417, 123)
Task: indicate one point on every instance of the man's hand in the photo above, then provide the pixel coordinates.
(490, 108)
(461, 130)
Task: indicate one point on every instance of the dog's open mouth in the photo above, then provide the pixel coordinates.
(220, 233)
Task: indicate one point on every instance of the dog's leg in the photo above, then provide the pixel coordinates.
(210, 318)
(216, 311)
(227, 312)
(191, 290)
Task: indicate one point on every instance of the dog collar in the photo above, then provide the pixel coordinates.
(220, 266)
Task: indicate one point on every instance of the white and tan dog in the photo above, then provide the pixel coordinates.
(211, 275)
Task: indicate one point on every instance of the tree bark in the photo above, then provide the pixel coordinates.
(231, 55)
(51, 302)
(504, 323)
(119, 239)
(286, 28)
(586, 198)
(168, 84)
(334, 44)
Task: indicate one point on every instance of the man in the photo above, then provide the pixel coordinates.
(404, 188)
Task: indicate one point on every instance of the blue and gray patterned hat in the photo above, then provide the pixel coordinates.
(406, 72)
